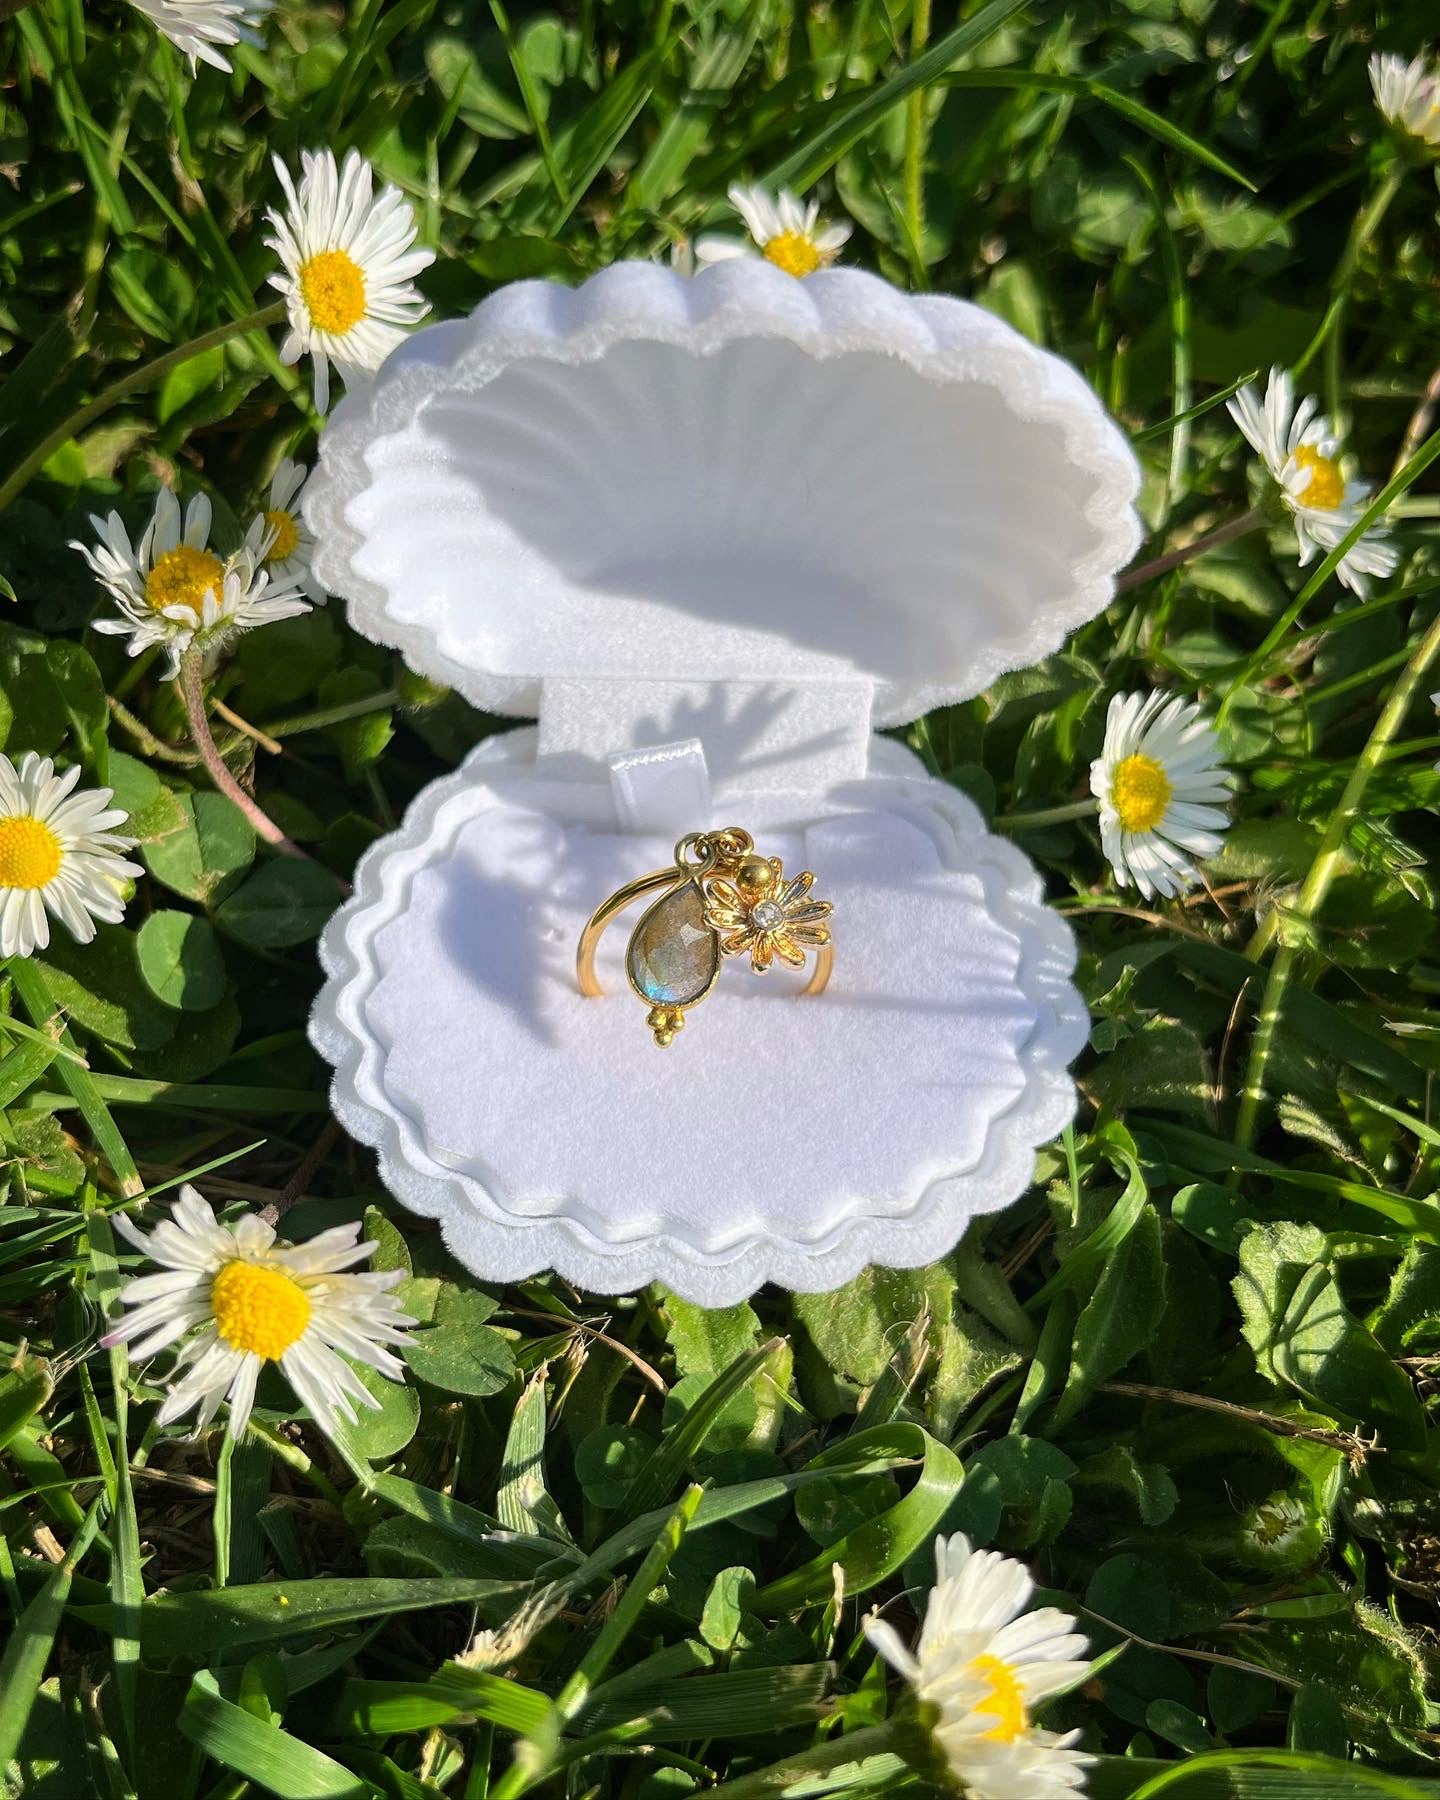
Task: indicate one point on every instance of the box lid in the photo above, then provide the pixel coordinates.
(736, 476)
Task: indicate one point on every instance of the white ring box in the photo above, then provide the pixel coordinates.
(711, 533)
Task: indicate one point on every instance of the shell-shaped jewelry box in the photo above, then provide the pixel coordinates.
(711, 534)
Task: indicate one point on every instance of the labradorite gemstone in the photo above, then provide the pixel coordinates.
(673, 954)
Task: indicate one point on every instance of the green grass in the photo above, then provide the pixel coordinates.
(1187, 1377)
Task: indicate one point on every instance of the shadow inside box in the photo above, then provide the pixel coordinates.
(678, 505)
(503, 935)
(734, 728)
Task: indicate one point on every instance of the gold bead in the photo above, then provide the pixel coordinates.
(662, 1038)
(755, 876)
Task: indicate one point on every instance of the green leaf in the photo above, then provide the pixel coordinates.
(740, 1703)
(459, 1352)
(385, 1429)
(51, 690)
(28, 1648)
(1163, 1065)
(361, 741)
(205, 846)
(284, 902)
(1016, 1488)
(188, 380)
(1296, 1322)
(384, 1708)
(845, 120)
(1120, 1317)
(730, 1597)
(261, 1750)
(1148, 1486)
(1155, 124)
(23, 1392)
(522, 1500)
(706, 1340)
(155, 291)
(180, 960)
(607, 1461)
(196, 1627)
(149, 804)
(876, 1549)
(681, 1441)
(101, 989)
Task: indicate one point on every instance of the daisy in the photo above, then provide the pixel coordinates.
(1408, 94)
(1278, 1529)
(279, 539)
(1302, 452)
(173, 591)
(198, 28)
(234, 1299)
(982, 1667)
(760, 912)
(786, 231)
(348, 267)
(58, 853)
(1158, 780)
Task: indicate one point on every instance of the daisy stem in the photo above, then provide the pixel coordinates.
(192, 692)
(1316, 885)
(295, 1458)
(1332, 327)
(1047, 815)
(1172, 559)
(133, 383)
(915, 134)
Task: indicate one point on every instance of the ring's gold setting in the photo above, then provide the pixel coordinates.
(722, 899)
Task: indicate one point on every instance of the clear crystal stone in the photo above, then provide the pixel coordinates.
(769, 915)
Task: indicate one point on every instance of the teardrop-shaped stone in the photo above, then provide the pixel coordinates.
(674, 955)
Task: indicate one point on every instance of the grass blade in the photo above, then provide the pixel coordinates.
(847, 121)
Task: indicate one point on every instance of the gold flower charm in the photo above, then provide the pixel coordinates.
(758, 911)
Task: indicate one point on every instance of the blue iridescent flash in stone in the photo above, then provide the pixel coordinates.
(674, 955)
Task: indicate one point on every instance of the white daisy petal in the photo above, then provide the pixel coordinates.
(349, 263)
(1408, 95)
(784, 230)
(1156, 779)
(982, 1666)
(53, 859)
(279, 539)
(203, 29)
(174, 591)
(1303, 455)
(235, 1299)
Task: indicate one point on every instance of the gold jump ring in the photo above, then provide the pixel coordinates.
(721, 899)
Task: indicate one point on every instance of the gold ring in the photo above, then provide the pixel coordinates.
(722, 899)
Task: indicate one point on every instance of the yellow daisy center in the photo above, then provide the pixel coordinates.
(287, 535)
(333, 286)
(1004, 1700)
(1140, 792)
(794, 252)
(1326, 486)
(30, 853)
(182, 577)
(258, 1309)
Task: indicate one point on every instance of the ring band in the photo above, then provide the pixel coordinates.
(721, 899)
